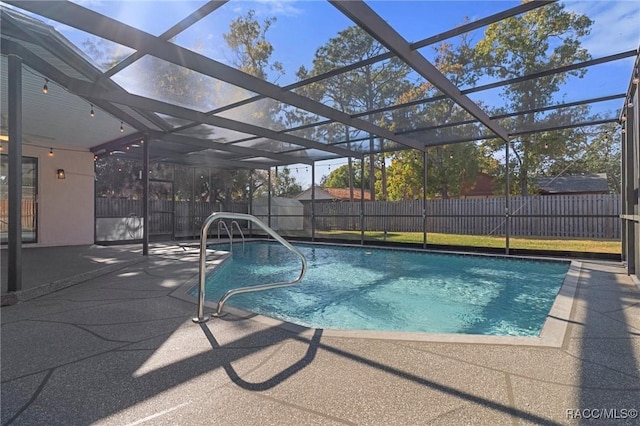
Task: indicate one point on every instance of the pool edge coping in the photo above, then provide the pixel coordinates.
(552, 334)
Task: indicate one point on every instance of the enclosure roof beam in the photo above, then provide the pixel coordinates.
(51, 41)
(528, 132)
(43, 67)
(167, 155)
(119, 143)
(88, 90)
(525, 132)
(463, 122)
(470, 26)
(566, 126)
(502, 83)
(566, 68)
(360, 13)
(208, 144)
(495, 117)
(102, 26)
(202, 12)
(512, 114)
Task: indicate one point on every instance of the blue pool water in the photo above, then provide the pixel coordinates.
(360, 288)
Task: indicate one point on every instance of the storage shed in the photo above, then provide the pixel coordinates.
(287, 214)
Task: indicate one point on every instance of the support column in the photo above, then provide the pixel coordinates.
(372, 168)
(269, 199)
(630, 158)
(145, 196)
(250, 206)
(14, 270)
(424, 199)
(624, 205)
(362, 201)
(313, 201)
(192, 204)
(507, 213)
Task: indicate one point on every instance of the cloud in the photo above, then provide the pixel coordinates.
(615, 25)
(280, 7)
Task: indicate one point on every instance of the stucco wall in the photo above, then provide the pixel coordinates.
(65, 206)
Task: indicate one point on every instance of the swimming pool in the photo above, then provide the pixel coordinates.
(358, 288)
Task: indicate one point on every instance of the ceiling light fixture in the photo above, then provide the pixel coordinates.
(91, 113)
(50, 152)
(45, 88)
(121, 127)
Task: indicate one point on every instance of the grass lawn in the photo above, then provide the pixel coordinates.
(532, 243)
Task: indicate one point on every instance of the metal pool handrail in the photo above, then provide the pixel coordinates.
(239, 230)
(221, 224)
(203, 256)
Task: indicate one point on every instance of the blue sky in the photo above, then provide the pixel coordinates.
(303, 26)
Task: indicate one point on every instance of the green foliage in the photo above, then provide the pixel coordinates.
(449, 167)
(247, 39)
(369, 87)
(406, 175)
(118, 178)
(598, 152)
(339, 177)
(284, 184)
(544, 38)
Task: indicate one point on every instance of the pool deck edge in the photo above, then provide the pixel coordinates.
(552, 334)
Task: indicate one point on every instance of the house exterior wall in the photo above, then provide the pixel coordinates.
(65, 206)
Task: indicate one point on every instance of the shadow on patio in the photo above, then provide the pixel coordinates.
(118, 349)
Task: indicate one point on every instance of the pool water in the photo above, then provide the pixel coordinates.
(359, 288)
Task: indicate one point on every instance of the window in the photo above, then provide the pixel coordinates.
(29, 199)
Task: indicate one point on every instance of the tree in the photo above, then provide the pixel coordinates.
(247, 39)
(118, 178)
(168, 82)
(284, 183)
(346, 175)
(364, 89)
(105, 54)
(545, 38)
(598, 152)
(449, 167)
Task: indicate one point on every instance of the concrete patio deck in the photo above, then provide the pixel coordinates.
(118, 349)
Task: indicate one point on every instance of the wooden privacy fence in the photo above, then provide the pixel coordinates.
(28, 215)
(573, 216)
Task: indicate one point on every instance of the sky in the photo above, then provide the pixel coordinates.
(302, 26)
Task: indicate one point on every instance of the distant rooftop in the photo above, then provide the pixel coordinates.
(323, 193)
(584, 183)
